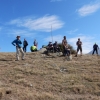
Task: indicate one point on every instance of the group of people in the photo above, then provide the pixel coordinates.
(66, 49)
(17, 42)
(79, 47)
(50, 47)
(53, 47)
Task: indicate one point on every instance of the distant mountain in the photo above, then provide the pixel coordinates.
(94, 52)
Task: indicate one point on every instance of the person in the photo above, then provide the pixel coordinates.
(17, 42)
(64, 42)
(67, 50)
(95, 48)
(25, 44)
(49, 47)
(79, 46)
(33, 48)
(35, 43)
(56, 47)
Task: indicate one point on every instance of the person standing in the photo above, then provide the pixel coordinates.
(95, 48)
(79, 46)
(25, 44)
(35, 43)
(64, 42)
(17, 42)
(67, 50)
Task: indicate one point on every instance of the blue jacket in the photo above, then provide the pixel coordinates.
(17, 43)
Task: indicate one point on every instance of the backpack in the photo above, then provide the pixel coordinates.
(25, 43)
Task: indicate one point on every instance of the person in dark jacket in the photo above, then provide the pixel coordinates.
(17, 42)
(25, 44)
(95, 48)
(79, 46)
(56, 47)
(49, 47)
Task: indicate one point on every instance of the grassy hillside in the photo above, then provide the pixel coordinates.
(41, 77)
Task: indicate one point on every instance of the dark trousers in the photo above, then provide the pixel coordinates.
(57, 49)
(24, 48)
(67, 52)
(50, 49)
(94, 51)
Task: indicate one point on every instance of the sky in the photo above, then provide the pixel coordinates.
(49, 20)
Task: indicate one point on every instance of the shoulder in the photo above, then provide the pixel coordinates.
(15, 40)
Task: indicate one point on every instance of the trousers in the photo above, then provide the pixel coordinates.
(19, 50)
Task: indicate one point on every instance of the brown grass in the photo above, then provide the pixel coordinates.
(42, 77)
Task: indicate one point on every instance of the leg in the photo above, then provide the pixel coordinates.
(68, 52)
(93, 51)
(77, 51)
(96, 51)
(17, 53)
(22, 52)
(64, 51)
(25, 48)
(81, 50)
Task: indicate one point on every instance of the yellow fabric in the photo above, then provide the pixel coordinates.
(33, 48)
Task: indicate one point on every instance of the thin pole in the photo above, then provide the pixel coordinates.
(51, 34)
(52, 37)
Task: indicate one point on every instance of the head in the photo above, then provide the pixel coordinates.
(55, 41)
(50, 42)
(64, 37)
(24, 39)
(18, 37)
(78, 39)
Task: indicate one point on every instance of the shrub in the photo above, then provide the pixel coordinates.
(71, 48)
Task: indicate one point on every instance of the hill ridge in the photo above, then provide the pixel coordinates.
(42, 77)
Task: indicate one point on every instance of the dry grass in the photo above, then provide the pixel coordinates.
(41, 77)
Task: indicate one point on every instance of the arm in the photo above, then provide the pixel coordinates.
(13, 43)
(20, 42)
(98, 47)
(77, 43)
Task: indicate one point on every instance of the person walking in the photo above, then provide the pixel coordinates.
(79, 46)
(25, 44)
(17, 42)
(95, 48)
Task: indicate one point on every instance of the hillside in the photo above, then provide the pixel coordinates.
(41, 77)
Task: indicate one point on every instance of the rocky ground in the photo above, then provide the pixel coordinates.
(42, 77)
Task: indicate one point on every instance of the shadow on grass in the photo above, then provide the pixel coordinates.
(5, 60)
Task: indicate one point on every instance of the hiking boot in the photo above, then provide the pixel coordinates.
(16, 60)
(75, 55)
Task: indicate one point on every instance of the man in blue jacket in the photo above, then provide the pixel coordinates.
(17, 42)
